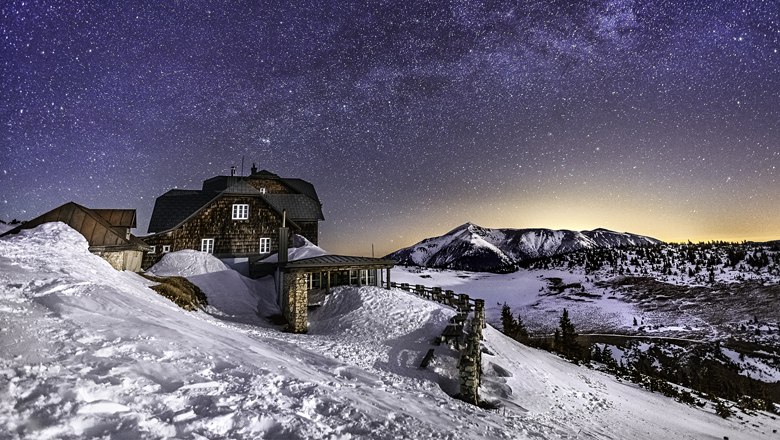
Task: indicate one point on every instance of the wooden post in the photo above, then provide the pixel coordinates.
(327, 289)
(449, 298)
(463, 302)
(436, 294)
(387, 272)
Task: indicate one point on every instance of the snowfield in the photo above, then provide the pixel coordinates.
(86, 351)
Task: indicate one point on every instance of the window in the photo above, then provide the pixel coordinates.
(240, 211)
(262, 191)
(207, 245)
(153, 250)
(166, 248)
(265, 245)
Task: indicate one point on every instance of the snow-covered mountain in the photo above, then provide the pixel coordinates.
(472, 247)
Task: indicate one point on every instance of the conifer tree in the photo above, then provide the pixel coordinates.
(568, 337)
(508, 323)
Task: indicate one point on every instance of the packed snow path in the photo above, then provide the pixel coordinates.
(86, 351)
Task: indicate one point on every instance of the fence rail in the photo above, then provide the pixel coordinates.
(465, 336)
(458, 301)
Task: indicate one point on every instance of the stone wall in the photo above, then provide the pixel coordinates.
(470, 365)
(122, 260)
(296, 302)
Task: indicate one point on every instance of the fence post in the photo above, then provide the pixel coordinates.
(405, 286)
(419, 289)
(449, 298)
(436, 294)
(463, 303)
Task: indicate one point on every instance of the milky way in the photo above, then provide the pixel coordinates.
(410, 118)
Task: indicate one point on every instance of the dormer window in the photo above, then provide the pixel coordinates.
(240, 211)
(262, 191)
(153, 249)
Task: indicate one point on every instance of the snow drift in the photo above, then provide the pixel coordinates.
(302, 248)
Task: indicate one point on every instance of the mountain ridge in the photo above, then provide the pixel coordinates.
(475, 248)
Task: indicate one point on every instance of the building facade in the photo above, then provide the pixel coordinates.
(233, 216)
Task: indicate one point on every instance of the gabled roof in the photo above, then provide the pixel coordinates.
(176, 206)
(242, 187)
(89, 223)
(265, 174)
(302, 187)
(119, 218)
(298, 206)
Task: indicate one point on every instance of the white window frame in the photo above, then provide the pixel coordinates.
(166, 248)
(262, 190)
(265, 245)
(240, 211)
(207, 245)
(153, 249)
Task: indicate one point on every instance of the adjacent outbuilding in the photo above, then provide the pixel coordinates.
(107, 231)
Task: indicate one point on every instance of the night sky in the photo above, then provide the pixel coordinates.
(410, 118)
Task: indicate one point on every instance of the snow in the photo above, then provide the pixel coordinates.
(5, 227)
(86, 351)
(753, 367)
(187, 263)
(228, 292)
(303, 249)
(526, 292)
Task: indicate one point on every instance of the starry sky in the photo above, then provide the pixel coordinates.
(410, 118)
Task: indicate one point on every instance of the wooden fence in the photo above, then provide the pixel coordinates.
(465, 336)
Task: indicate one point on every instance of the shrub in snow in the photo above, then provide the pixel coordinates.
(723, 410)
(181, 291)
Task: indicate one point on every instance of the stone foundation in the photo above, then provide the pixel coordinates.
(296, 302)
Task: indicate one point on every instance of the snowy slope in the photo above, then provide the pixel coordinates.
(86, 351)
(474, 248)
(5, 227)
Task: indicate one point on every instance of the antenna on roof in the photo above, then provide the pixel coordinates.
(232, 170)
(242, 165)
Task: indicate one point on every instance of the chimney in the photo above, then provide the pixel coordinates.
(232, 171)
(254, 168)
(284, 235)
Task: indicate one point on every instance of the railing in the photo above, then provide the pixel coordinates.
(465, 337)
(458, 301)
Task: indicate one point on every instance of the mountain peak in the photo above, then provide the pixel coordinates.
(474, 248)
(465, 226)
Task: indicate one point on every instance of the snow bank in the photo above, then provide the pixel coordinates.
(302, 248)
(229, 293)
(187, 263)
